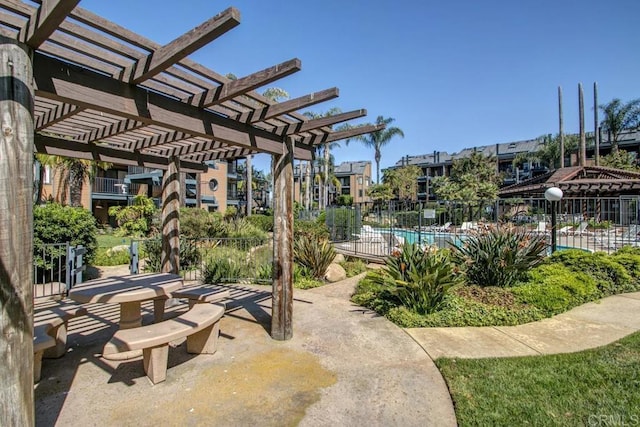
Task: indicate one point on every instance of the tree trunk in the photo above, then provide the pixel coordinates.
(76, 181)
(171, 186)
(307, 191)
(582, 158)
(596, 134)
(16, 239)
(326, 175)
(561, 127)
(377, 158)
(282, 293)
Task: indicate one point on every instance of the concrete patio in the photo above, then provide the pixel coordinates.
(344, 366)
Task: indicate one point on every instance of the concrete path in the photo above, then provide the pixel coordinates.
(591, 325)
(344, 366)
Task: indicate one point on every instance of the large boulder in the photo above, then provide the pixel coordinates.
(335, 273)
(119, 248)
(338, 259)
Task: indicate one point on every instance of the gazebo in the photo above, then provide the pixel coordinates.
(77, 85)
(579, 181)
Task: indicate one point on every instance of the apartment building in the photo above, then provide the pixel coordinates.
(213, 190)
(439, 163)
(354, 179)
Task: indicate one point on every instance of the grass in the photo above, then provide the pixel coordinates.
(109, 240)
(593, 387)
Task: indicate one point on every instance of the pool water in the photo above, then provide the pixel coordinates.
(429, 238)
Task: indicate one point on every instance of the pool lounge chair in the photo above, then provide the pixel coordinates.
(566, 230)
(541, 228)
(369, 235)
(441, 228)
(582, 229)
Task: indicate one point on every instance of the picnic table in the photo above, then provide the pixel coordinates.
(129, 291)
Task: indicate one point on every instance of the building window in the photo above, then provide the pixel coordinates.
(359, 180)
(213, 184)
(360, 193)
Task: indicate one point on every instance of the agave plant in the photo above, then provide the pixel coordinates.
(419, 279)
(313, 254)
(499, 257)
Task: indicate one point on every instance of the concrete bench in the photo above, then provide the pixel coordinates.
(200, 325)
(201, 294)
(50, 332)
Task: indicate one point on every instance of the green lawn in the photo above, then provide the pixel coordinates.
(594, 387)
(109, 240)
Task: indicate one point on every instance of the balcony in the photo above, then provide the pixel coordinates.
(114, 186)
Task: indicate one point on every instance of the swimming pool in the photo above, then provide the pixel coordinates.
(442, 240)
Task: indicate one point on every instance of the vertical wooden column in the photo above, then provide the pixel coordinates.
(170, 260)
(596, 126)
(16, 234)
(582, 154)
(249, 185)
(282, 295)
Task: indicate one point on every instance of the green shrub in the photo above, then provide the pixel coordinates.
(198, 223)
(419, 279)
(310, 229)
(190, 257)
(461, 311)
(241, 228)
(629, 258)
(225, 266)
(307, 283)
(263, 222)
(342, 223)
(353, 268)
(54, 223)
(499, 257)
(316, 255)
(264, 273)
(135, 219)
(611, 277)
(344, 200)
(106, 257)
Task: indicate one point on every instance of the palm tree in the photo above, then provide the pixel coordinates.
(78, 171)
(619, 116)
(326, 147)
(379, 139)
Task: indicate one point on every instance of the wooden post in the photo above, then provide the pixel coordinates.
(596, 133)
(249, 186)
(16, 234)
(582, 155)
(307, 190)
(282, 294)
(561, 126)
(170, 259)
(198, 191)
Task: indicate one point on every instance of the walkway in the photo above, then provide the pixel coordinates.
(343, 366)
(588, 326)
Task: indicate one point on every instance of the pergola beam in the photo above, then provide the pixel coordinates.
(57, 114)
(275, 110)
(64, 82)
(68, 148)
(45, 21)
(323, 121)
(241, 86)
(336, 136)
(184, 45)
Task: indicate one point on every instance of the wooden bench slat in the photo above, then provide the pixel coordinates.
(194, 320)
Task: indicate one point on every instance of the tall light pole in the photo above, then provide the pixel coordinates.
(553, 195)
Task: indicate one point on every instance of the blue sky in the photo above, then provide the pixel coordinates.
(453, 74)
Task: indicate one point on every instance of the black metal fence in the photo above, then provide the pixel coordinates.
(211, 260)
(376, 230)
(57, 267)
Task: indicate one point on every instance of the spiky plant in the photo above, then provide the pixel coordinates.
(499, 257)
(420, 280)
(314, 254)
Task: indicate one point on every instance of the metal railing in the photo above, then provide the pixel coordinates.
(594, 224)
(57, 267)
(211, 260)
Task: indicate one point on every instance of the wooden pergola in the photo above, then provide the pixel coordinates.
(76, 85)
(578, 181)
